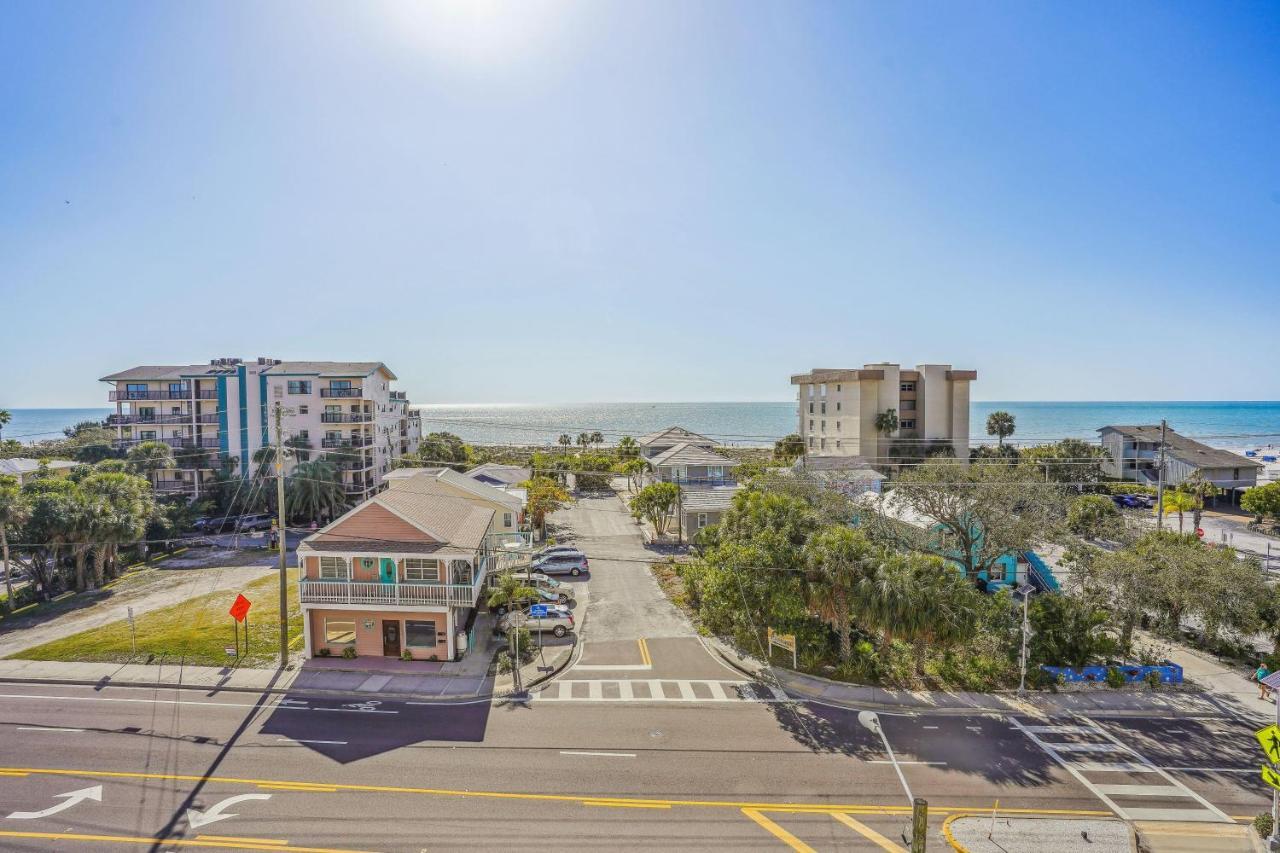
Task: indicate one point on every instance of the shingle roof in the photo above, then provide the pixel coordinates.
(852, 467)
(20, 465)
(457, 523)
(707, 500)
(507, 474)
(673, 434)
(432, 480)
(163, 371)
(1185, 449)
(690, 454)
(318, 368)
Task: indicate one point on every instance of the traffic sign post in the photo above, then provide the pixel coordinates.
(1269, 740)
(240, 613)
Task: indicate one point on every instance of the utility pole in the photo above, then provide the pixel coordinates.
(1160, 481)
(284, 574)
(1026, 590)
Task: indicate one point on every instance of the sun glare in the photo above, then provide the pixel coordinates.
(482, 33)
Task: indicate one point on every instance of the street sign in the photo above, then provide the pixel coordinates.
(538, 611)
(1271, 777)
(1269, 739)
(240, 608)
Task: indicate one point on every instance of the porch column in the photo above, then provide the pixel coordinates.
(306, 632)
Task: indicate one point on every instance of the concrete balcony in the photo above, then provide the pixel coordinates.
(176, 443)
(356, 393)
(354, 441)
(346, 417)
(126, 420)
(405, 593)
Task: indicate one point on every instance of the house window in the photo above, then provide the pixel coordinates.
(837, 426)
(507, 519)
(824, 408)
(340, 384)
(823, 444)
(811, 407)
(176, 390)
(715, 472)
(810, 442)
(302, 410)
(303, 434)
(175, 410)
(907, 425)
(422, 570)
(147, 435)
(147, 413)
(810, 424)
(908, 405)
(837, 405)
(837, 444)
(702, 520)
(837, 391)
(299, 386)
(339, 632)
(333, 568)
(908, 386)
(419, 634)
(824, 426)
(136, 390)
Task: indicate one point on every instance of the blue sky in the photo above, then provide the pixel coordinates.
(579, 201)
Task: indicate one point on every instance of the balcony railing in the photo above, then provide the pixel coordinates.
(176, 442)
(410, 593)
(120, 396)
(355, 441)
(346, 417)
(341, 392)
(124, 420)
(173, 486)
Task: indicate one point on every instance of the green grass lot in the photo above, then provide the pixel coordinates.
(195, 632)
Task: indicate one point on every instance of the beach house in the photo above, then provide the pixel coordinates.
(1133, 453)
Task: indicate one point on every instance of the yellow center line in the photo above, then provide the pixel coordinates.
(644, 652)
(868, 833)
(238, 844)
(627, 805)
(326, 787)
(241, 838)
(778, 832)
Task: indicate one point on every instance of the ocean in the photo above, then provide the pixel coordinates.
(1224, 424)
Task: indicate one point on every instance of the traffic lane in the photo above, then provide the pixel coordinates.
(648, 658)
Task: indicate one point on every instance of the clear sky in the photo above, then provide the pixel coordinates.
(581, 201)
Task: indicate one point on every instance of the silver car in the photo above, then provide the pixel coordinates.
(542, 583)
(562, 564)
(557, 550)
(558, 621)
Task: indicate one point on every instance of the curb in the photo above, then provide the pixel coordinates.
(279, 691)
(946, 831)
(544, 677)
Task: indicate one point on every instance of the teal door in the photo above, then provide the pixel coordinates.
(388, 570)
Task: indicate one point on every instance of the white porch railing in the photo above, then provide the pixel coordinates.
(356, 592)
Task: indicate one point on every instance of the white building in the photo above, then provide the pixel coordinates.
(345, 410)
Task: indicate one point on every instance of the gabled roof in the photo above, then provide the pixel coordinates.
(690, 454)
(446, 523)
(144, 372)
(156, 372)
(431, 480)
(330, 368)
(492, 472)
(1185, 449)
(674, 435)
(846, 467)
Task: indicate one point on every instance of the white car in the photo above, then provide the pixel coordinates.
(539, 581)
(558, 620)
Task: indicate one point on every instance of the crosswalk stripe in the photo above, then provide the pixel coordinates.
(1062, 730)
(1142, 790)
(660, 690)
(1191, 814)
(1085, 747)
(1114, 767)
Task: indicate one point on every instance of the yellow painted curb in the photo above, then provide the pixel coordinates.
(946, 831)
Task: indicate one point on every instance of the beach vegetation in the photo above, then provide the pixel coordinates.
(654, 504)
(1001, 425)
(1263, 501)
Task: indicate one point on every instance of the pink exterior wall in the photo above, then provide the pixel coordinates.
(369, 640)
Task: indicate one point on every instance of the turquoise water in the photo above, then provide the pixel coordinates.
(1226, 424)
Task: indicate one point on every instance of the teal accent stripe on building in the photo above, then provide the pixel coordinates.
(243, 375)
(262, 407)
(224, 437)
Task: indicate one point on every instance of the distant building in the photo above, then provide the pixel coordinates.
(701, 508)
(837, 409)
(25, 470)
(692, 465)
(850, 475)
(657, 443)
(493, 474)
(1133, 453)
(224, 408)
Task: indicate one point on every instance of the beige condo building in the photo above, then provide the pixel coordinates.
(837, 409)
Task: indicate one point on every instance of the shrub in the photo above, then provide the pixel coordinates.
(1153, 679)
(349, 653)
(1114, 678)
(1262, 825)
(406, 655)
(324, 652)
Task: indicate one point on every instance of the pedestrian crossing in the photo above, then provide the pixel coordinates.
(656, 690)
(1125, 780)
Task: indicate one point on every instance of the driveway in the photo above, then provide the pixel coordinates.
(166, 588)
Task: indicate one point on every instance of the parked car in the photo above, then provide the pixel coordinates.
(1129, 501)
(213, 524)
(553, 550)
(540, 581)
(562, 564)
(543, 597)
(558, 621)
(259, 521)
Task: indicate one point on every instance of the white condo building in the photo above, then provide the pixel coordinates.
(225, 409)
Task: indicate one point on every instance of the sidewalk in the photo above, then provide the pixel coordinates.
(1098, 701)
(1060, 835)
(464, 682)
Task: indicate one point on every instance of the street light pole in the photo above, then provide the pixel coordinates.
(1160, 481)
(1026, 590)
(284, 575)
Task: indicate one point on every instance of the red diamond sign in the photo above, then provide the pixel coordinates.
(240, 608)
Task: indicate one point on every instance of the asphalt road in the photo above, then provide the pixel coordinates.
(646, 742)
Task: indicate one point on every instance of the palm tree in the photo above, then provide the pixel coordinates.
(628, 448)
(84, 517)
(14, 512)
(148, 457)
(1000, 424)
(597, 438)
(839, 561)
(788, 448)
(584, 440)
(887, 422)
(946, 608)
(564, 441)
(892, 598)
(314, 491)
(634, 468)
(1199, 488)
(1179, 502)
(5, 417)
(509, 592)
(126, 504)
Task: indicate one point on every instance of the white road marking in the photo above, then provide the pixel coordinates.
(720, 691)
(595, 690)
(928, 727)
(1210, 769)
(1141, 790)
(1086, 747)
(1060, 730)
(603, 754)
(1114, 767)
(903, 761)
(303, 740)
(149, 701)
(1198, 815)
(629, 667)
(45, 729)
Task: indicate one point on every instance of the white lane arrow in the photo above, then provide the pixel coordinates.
(69, 799)
(200, 818)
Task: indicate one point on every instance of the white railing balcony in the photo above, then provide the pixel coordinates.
(403, 593)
